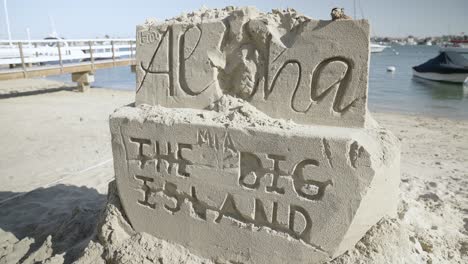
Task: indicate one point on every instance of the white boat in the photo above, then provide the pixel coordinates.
(442, 77)
(454, 49)
(411, 42)
(459, 46)
(446, 67)
(375, 48)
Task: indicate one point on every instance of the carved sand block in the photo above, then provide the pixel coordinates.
(172, 67)
(310, 71)
(255, 192)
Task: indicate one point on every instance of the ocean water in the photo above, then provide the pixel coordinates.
(401, 92)
(388, 92)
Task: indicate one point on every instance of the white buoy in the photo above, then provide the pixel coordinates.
(391, 69)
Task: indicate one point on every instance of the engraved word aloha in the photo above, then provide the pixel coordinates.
(181, 50)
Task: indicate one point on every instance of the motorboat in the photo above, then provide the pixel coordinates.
(446, 67)
(460, 46)
(375, 48)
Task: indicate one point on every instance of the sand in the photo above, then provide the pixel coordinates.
(50, 136)
(56, 162)
(21, 87)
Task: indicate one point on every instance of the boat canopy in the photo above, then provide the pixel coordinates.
(445, 62)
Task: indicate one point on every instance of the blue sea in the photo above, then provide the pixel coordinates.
(388, 92)
(403, 93)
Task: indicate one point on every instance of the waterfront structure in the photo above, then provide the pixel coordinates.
(81, 57)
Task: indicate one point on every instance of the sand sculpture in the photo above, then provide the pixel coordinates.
(250, 139)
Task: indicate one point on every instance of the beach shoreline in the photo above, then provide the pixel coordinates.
(423, 115)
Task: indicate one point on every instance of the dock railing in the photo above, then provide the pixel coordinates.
(29, 55)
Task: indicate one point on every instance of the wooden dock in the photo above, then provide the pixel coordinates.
(81, 58)
(41, 71)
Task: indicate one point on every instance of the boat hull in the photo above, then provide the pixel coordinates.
(442, 77)
(454, 49)
(376, 48)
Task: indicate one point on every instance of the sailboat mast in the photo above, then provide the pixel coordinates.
(7, 21)
(354, 9)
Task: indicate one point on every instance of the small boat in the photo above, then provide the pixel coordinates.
(446, 67)
(460, 46)
(375, 48)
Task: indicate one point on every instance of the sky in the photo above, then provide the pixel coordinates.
(118, 18)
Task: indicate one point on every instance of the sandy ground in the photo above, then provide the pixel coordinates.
(52, 136)
(56, 162)
(19, 87)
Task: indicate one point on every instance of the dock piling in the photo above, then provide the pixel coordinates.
(91, 56)
(23, 64)
(83, 79)
(60, 56)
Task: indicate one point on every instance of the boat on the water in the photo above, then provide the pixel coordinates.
(446, 67)
(460, 46)
(375, 48)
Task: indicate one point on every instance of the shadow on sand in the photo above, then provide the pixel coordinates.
(69, 214)
(36, 92)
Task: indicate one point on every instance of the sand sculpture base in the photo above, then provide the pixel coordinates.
(236, 185)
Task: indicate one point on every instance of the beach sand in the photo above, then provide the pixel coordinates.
(56, 164)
